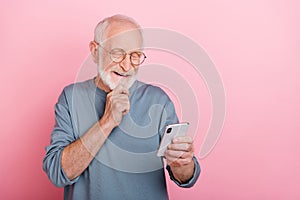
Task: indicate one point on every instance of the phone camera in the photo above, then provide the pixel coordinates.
(169, 130)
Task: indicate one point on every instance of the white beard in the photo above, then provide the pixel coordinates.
(106, 78)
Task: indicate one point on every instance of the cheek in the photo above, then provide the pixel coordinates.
(106, 63)
(109, 67)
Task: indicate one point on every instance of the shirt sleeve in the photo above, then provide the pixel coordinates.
(61, 136)
(192, 181)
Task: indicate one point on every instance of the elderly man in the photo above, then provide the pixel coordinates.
(108, 129)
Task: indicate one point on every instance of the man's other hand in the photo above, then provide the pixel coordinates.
(117, 105)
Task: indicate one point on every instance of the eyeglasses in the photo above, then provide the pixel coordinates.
(117, 55)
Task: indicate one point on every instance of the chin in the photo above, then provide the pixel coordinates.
(110, 80)
(127, 82)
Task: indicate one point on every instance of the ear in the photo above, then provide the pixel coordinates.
(94, 51)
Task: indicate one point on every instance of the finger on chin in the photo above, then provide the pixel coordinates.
(121, 89)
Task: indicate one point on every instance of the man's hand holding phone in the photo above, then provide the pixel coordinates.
(180, 152)
(179, 156)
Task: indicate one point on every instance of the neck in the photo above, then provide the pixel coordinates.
(99, 83)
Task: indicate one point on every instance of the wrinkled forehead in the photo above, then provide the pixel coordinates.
(127, 37)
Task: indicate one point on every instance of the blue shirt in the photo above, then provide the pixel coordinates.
(126, 166)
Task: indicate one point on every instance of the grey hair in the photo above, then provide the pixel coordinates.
(100, 29)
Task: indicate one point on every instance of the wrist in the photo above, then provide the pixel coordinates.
(106, 126)
(183, 173)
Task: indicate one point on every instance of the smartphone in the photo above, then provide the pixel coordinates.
(171, 131)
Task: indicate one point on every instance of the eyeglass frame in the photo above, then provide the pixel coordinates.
(124, 54)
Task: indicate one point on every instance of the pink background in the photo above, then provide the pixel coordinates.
(254, 44)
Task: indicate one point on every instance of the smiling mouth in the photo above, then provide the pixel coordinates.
(122, 75)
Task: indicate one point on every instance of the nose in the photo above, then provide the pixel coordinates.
(126, 64)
